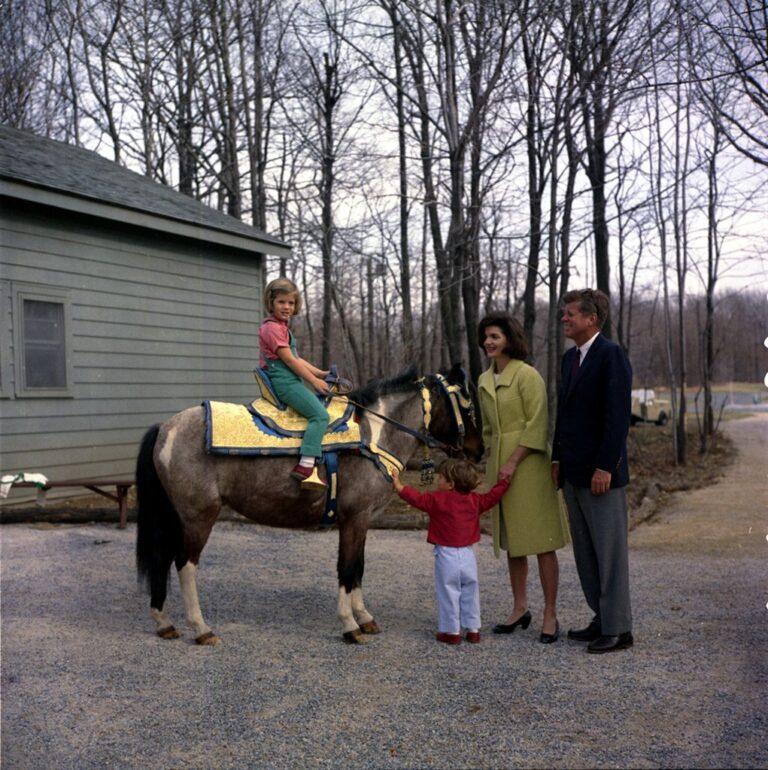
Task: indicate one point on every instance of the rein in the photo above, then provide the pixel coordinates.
(425, 438)
(456, 398)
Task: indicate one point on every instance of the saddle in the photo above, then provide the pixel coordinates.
(263, 427)
(268, 427)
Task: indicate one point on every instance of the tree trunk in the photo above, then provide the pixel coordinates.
(409, 341)
(330, 97)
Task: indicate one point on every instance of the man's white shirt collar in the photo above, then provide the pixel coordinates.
(584, 349)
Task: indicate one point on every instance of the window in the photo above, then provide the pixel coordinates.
(42, 342)
(45, 355)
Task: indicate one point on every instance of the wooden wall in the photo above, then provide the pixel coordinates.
(159, 323)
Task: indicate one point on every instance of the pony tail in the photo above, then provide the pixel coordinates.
(158, 531)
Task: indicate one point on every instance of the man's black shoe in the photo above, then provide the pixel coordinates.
(588, 634)
(611, 643)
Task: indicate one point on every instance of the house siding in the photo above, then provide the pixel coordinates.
(159, 323)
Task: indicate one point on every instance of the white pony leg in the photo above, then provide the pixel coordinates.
(358, 607)
(188, 584)
(165, 627)
(344, 611)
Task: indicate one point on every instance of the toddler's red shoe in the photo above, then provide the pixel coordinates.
(473, 637)
(309, 477)
(441, 636)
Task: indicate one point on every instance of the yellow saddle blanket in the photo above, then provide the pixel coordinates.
(261, 428)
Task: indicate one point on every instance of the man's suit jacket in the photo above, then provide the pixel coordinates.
(593, 415)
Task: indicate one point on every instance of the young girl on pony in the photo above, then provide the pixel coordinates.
(454, 527)
(295, 381)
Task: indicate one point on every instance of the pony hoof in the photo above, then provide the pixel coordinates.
(208, 639)
(169, 632)
(371, 627)
(355, 637)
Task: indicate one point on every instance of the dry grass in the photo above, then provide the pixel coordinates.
(652, 461)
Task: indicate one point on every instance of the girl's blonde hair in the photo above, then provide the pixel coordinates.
(281, 286)
(461, 473)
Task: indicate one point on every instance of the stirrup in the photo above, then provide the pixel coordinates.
(313, 480)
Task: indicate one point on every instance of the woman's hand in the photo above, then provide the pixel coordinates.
(510, 466)
(396, 483)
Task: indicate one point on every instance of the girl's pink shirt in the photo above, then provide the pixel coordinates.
(273, 334)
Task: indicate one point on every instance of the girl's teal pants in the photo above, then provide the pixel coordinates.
(292, 389)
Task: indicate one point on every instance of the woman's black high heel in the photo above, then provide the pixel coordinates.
(507, 628)
(549, 638)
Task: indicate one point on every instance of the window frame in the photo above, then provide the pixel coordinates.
(39, 293)
(6, 306)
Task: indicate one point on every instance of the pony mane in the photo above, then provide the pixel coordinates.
(371, 391)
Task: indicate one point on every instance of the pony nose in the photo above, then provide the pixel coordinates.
(473, 451)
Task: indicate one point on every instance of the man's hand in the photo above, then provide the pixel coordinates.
(601, 482)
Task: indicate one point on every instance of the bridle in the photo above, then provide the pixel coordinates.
(458, 398)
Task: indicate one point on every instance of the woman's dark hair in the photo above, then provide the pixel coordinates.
(517, 346)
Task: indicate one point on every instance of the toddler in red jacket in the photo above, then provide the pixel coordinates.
(454, 527)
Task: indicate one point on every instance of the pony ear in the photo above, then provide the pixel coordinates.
(457, 375)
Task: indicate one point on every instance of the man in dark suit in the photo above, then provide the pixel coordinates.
(589, 461)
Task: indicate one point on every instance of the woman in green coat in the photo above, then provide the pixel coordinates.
(531, 516)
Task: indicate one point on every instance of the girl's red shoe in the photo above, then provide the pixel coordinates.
(309, 477)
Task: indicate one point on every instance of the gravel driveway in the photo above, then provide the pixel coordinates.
(87, 684)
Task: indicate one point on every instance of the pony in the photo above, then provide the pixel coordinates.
(181, 489)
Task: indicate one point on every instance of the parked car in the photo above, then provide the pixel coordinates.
(647, 408)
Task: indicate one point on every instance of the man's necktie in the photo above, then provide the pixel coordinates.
(575, 366)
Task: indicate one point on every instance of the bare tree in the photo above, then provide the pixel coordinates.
(261, 28)
(609, 51)
(429, 160)
(713, 269)
(325, 120)
(537, 58)
(62, 24)
(446, 46)
(24, 43)
(660, 207)
(739, 27)
(392, 8)
(177, 96)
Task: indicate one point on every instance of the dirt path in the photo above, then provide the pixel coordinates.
(729, 517)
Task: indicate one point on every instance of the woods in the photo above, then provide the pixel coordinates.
(429, 161)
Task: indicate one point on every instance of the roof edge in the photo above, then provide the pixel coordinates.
(32, 192)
